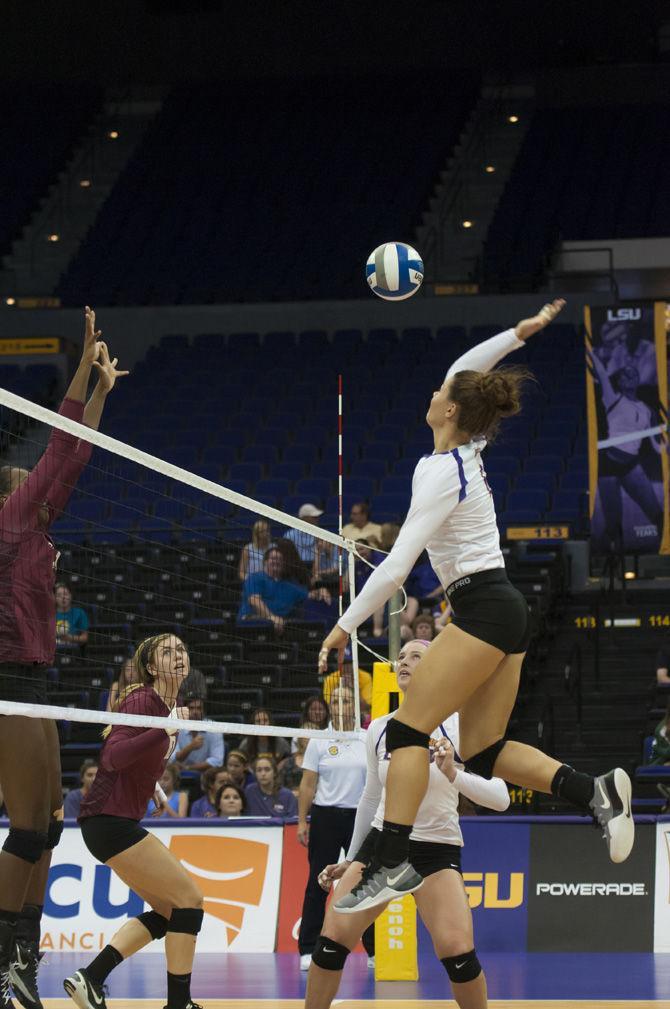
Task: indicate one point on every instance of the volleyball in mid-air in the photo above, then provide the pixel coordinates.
(394, 271)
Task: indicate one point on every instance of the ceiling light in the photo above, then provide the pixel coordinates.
(512, 119)
(113, 135)
(53, 237)
(490, 169)
(85, 183)
(10, 301)
(467, 224)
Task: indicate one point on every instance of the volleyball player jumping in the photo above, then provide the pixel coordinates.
(131, 762)
(30, 501)
(435, 849)
(474, 664)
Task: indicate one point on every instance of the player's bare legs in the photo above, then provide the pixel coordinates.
(346, 930)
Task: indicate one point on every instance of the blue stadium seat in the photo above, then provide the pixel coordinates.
(535, 481)
(384, 450)
(208, 343)
(375, 469)
(395, 485)
(273, 487)
(570, 500)
(578, 464)
(217, 455)
(396, 504)
(243, 342)
(531, 500)
(266, 455)
(88, 510)
(361, 487)
(501, 464)
(543, 464)
(250, 472)
(302, 454)
(405, 467)
(578, 481)
(314, 487)
(520, 516)
(499, 484)
(290, 471)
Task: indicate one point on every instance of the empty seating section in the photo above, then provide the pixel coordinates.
(206, 209)
(278, 444)
(39, 128)
(575, 179)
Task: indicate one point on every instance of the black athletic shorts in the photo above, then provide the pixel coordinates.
(487, 606)
(427, 857)
(23, 681)
(106, 836)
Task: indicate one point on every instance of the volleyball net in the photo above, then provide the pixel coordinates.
(145, 547)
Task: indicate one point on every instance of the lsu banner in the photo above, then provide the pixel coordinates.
(237, 869)
(627, 408)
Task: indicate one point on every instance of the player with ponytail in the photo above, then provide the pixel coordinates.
(474, 664)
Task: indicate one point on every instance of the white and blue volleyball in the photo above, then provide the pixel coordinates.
(394, 271)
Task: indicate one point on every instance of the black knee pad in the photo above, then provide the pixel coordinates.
(156, 924)
(398, 735)
(54, 833)
(26, 844)
(329, 955)
(482, 763)
(186, 920)
(463, 968)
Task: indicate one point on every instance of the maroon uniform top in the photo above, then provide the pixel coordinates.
(27, 554)
(132, 760)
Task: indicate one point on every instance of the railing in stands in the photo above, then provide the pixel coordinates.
(572, 678)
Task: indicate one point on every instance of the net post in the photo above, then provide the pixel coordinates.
(395, 606)
(354, 638)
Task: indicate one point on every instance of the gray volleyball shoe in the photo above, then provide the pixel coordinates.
(378, 885)
(611, 808)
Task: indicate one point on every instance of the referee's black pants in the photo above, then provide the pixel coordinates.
(330, 830)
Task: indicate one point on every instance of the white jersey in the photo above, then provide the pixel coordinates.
(451, 514)
(437, 818)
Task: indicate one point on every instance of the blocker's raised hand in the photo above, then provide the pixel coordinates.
(529, 327)
(91, 348)
(107, 370)
(336, 639)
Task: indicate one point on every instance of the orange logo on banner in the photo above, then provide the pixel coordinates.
(241, 882)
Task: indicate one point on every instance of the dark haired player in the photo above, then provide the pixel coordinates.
(30, 501)
(474, 664)
(132, 760)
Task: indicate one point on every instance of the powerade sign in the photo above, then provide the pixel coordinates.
(495, 873)
(579, 900)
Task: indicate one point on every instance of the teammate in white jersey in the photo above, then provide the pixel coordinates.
(474, 664)
(435, 847)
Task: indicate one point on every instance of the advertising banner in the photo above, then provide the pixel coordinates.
(579, 900)
(627, 406)
(238, 870)
(495, 873)
(662, 902)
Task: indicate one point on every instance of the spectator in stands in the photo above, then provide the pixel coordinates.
(267, 797)
(175, 803)
(127, 676)
(359, 525)
(660, 748)
(423, 628)
(273, 746)
(331, 681)
(251, 558)
(318, 556)
(71, 621)
(290, 773)
(332, 784)
(237, 766)
(315, 713)
(294, 569)
(87, 773)
(211, 780)
(195, 685)
(231, 802)
(423, 584)
(196, 751)
(662, 666)
(269, 595)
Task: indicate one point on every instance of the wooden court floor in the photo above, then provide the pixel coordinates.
(210, 1003)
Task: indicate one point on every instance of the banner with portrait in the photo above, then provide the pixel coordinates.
(627, 409)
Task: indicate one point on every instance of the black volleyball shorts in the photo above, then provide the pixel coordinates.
(106, 836)
(23, 681)
(487, 606)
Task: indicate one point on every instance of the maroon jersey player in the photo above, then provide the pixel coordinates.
(132, 759)
(30, 501)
